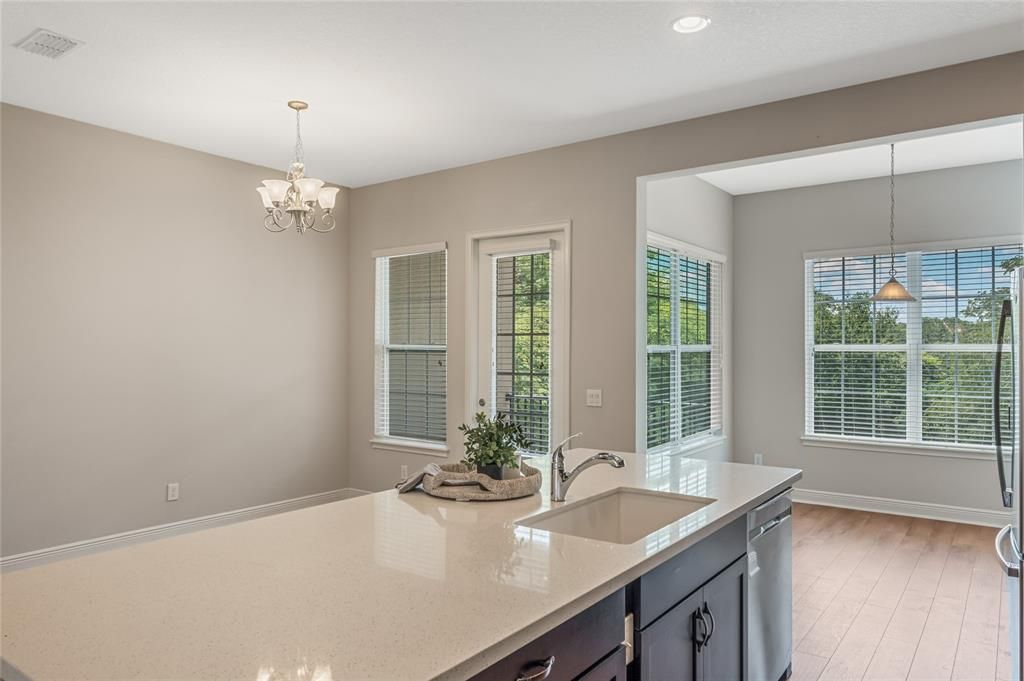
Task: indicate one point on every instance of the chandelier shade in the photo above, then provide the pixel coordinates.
(298, 201)
(327, 196)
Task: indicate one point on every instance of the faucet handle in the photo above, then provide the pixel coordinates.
(563, 443)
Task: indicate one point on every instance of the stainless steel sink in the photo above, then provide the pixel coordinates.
(620, 516)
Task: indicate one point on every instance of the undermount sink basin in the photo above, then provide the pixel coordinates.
(620, 516)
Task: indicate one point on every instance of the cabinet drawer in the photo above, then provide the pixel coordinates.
(611, 668)
(577, 645)
(656, 592)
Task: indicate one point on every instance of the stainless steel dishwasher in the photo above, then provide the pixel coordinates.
(770, 575)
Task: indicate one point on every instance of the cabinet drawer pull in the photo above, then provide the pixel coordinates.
(537, 671)
(711, 631)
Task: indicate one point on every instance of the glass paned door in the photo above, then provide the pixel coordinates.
(518, 372)
(522, 344)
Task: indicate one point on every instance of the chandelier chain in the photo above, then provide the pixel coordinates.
(892, 210)
(298, 139)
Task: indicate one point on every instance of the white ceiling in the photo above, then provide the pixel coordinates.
(950, 150)
(398, 89)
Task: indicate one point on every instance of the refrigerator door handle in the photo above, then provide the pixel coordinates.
(1011, 569)
(997, 420)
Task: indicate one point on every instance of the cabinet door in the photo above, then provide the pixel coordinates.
(611, 668)
(668, 649)
(724, 602)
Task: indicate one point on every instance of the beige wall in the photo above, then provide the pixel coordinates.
(154, 332)
(594, 184)
(773, 231)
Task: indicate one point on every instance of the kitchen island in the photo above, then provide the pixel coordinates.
(384, 586)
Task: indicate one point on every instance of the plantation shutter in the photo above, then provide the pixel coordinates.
(411, 346)
(684, 345)
(917, 372)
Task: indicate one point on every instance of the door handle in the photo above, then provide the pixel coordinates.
(711, 631)
(699, 617)
(997, 418)
(1011, 569)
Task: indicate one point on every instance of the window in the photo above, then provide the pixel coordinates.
(411, 353)
(684, 345)
(920, 372)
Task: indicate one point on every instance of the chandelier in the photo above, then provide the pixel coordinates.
(293, 202)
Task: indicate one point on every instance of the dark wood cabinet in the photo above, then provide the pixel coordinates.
(569, 650)
(667, 649)
(611, 668)
(702, 638)
(725, 600)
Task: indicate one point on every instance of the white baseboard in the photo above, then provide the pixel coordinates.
(917, 509)
(111, 541)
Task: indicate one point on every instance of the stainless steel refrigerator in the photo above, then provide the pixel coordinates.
(1008, 426)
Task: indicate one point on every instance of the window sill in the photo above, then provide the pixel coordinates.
(915, 449)
(687, 449)
(408, 446)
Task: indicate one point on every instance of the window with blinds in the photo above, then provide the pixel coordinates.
(411, 347)
(918, 372)
(522, 344)
(684, 347)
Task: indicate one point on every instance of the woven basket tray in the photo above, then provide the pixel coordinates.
(492, 490)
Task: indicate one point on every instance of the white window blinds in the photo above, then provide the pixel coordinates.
(411, 353)
(522, 344)
(917, 372)
(684, 346)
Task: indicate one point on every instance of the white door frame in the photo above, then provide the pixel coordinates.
(561, 308)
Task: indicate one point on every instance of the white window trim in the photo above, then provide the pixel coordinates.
(410, 446)
(702, 441)
(688, 447)
(385, 441)
(899, 447)
(561, 316)
(914, 348)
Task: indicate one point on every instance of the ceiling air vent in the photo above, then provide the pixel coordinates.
(48, 44)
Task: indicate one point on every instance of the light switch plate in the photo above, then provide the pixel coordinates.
(594, 397)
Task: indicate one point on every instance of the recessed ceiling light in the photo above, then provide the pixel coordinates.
(691, 23)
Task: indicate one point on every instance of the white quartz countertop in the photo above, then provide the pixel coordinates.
(381, 587)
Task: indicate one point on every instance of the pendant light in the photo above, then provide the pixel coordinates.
(892, 291)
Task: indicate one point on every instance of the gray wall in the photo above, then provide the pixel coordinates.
(697, 213)
(773, 230)
(154, 332)
(594, 184)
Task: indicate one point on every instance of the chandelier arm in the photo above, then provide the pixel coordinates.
(269, 220)
(280, 221)
(328, 221)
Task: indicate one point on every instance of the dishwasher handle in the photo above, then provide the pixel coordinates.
(770, 525)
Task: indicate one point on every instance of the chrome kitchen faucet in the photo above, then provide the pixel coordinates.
(560, 480)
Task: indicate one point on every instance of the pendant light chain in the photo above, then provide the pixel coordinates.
(298, 139)
(892, 210)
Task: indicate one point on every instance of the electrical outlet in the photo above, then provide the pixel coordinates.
(594, 397)
(758, 459)
(405, 471)
(172, 491)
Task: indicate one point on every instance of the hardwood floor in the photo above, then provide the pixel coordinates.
(888, 598)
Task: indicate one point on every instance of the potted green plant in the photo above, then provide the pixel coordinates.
(492, 445)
